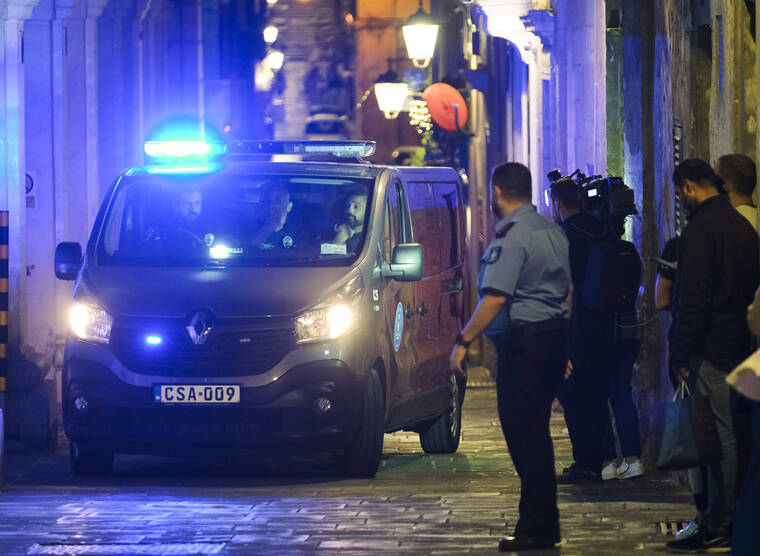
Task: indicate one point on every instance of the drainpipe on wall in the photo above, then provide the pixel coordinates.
(141, 70)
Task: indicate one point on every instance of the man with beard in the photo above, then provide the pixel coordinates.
(186, 228)
(350, 231)
(523, 284)
(717, 277)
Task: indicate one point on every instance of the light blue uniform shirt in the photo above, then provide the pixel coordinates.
(529, 262)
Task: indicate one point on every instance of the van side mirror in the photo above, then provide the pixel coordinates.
(68, 260)
(406, 263)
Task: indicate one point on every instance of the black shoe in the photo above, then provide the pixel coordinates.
(700, 541)
(525, 542)
(575, 475)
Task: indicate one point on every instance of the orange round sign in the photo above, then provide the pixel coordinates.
(445, 105)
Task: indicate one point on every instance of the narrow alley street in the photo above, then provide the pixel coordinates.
(417, 503)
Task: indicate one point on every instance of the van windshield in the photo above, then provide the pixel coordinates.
(229, 219)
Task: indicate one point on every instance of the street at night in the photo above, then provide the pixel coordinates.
(417, 503)
(391, 276)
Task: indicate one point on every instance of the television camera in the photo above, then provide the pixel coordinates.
(608, 199)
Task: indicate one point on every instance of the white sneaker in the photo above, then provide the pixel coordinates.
(609, 471)
(691, 529)
(630, 470)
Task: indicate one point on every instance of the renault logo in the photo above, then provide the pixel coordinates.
(199, 328)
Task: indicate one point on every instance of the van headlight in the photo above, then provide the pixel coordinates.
(324, 323)
(333, 318)
(90, 322)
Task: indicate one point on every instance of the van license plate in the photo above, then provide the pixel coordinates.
(197, 393)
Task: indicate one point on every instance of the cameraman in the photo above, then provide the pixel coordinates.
(601, 361)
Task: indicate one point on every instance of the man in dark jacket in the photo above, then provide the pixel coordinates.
(583, 395)
(602, 366)
(717, 277)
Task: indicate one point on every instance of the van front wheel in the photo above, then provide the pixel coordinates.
(363, 452)
(442, 436)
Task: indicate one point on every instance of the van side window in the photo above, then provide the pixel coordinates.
(434, 211)
(388, 238)
(392, 212)
(404, 229)
(447, 195)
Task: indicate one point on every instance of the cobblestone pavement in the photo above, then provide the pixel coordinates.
(418, 504)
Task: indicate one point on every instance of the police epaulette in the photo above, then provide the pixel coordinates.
(503, 232)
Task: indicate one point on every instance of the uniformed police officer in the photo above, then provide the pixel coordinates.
(523, 284)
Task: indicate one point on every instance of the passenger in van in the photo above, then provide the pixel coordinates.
(187, 227)
(350, 231)
(273, 230)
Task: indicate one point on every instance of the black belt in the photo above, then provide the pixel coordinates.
(540, 327)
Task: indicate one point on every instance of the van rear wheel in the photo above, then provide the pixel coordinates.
(86, 460)
(363, 452)
(442, 436)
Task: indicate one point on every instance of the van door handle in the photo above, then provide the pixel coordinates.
(453, 285)
(422, 310)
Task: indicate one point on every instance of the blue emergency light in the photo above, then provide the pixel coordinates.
(183, 150)
(184, 169)
(340, 149)
(153, 340)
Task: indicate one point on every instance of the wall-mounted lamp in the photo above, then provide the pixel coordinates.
(391, 93)
(420, 33)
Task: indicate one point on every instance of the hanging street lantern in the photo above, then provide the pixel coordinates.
(391, 93)
(420, 33)
(275, 59)
(270, 34)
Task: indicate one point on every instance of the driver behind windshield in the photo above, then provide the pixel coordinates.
(349, 232)
(186, 226)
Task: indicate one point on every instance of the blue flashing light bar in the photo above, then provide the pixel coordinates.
(173, 150)
(153, 340)
(184, 169)
(340, 149)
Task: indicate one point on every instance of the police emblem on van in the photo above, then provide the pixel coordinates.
(199, 328)
(398, 327)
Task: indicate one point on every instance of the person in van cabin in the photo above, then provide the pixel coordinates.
(349, 231)
(272, 229)
(186, 226)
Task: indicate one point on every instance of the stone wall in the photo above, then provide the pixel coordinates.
(81, 84)
(580, 60)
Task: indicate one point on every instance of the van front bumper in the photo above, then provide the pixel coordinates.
(279, 417)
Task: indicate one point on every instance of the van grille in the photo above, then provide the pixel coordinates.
(231, 352)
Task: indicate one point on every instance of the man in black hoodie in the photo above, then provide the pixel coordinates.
(718, 273)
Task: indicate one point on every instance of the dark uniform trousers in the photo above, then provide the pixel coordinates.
(532, 360)
(584, 395)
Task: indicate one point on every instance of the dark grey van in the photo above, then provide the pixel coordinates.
(244, 307)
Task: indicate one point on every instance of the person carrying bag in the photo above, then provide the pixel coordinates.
(689, 437)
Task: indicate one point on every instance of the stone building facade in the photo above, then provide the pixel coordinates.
(632, 88)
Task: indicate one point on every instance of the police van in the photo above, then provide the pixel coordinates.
(226, 304)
